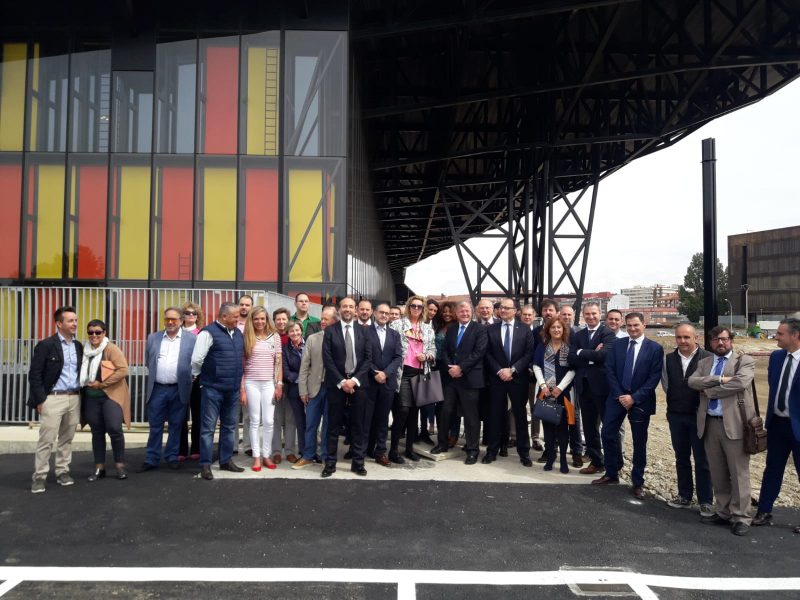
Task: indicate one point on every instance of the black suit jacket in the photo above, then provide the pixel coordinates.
(45, 369)
(469, 356)
(312, 327)
(594, 374)
(333, 354)
(521, 352)
(387, 359)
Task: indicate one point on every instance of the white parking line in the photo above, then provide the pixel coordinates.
(406, 580)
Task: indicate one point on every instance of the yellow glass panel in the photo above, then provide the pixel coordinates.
(9, 300)
(134, 227)
(50, 221)
(12, 96)
(219, 224)
(305, 191)
(73, 213)
(262, 101)
(331, 229)
(89, 304)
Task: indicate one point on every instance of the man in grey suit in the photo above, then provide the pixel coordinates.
(168, 355)
(313, 393)
(724, 381)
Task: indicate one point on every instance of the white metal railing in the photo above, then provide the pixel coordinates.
(26, 316)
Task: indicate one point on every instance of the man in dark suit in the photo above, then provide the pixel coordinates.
(783, 417)
(347, 357)
(387, 356)
(55, 395)
(508, 356)
(587, 355)
(462, 378)
(633, 368)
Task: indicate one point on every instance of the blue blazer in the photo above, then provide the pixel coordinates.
(387, 360)
(646, 372)
(776, 360)
(153, 347)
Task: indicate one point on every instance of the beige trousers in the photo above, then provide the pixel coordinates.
(730, 472)
(57, 423)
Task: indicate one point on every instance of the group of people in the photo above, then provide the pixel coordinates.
(300, 383)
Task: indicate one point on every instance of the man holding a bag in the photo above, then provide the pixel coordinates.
(724, 381)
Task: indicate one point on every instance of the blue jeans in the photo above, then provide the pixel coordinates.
(223, 405)
(164, 405)
(683, 431)
(316, 411)
(640, 421)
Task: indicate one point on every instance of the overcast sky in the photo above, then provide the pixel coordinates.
(648, 219)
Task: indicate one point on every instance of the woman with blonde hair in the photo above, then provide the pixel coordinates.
(192, 322)
(262, 382)
(419, 347)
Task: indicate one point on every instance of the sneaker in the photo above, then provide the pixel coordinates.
(65, 479)
(678, 502)
(302, 463)
(38, 486)
(707, 510)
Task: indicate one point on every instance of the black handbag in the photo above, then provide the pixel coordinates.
(427, 387)
(548, 410)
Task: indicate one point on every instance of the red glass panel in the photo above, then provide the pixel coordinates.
(221, 112)
(10, 199)
(177, 198)
(261, 225)
(92, 192)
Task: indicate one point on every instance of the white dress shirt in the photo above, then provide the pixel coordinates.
(167, 364)
(381, 331)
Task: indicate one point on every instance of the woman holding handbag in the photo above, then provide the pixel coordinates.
(105, 396)
(419, 348)
(554, 380)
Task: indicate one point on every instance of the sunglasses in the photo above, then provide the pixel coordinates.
(171, 320)
(189, 313)
(100, 332)
(416, 306)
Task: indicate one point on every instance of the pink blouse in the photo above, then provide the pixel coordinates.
(414, 337)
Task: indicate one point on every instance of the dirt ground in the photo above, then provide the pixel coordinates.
(660, 478)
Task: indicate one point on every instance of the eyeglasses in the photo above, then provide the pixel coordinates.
(170, 320)
(721, 339)
(416, 306)
(100, 332)
(189, 313)
(507, 308)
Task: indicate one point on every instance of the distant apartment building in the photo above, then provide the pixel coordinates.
(648, 296)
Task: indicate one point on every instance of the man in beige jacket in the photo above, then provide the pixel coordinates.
(313, 393)
(724, 381)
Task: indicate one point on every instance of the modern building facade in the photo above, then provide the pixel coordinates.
(648, 296)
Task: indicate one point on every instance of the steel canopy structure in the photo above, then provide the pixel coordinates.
(500, 118)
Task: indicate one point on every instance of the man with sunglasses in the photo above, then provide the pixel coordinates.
(168, 355)
(724, 380)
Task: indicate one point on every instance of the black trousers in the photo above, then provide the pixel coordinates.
(556, 435)
(593, 407)
(467, 400)
(104, 417)
(382, 398)
(194, 411)
(404, 413)
(517, 391)
(359, 409)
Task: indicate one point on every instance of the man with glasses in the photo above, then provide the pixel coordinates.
(55, 395)
(168, 356)
(310, 324)
(508, 355)
(724, 381)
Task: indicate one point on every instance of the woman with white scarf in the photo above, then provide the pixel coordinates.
(106, 399)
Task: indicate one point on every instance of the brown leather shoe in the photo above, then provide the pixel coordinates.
(291, 458)
(276, 458)
(638, 492)
(577, 461)
(606, 480)
(383, 460)
(452, 441)
(591, 470)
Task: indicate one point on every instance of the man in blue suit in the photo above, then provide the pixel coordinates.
(509, 349)
(633, 367)
(347, 357)
(387, 356)
(168, 355)
(783, 417)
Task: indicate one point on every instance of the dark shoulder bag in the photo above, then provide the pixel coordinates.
(754, 435)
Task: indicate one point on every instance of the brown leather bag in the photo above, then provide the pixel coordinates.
(755, 436)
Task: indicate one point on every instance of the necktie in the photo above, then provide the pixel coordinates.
(784, 387)
(713, 404)
(627, 371)
(507, 342)
(349, 359)
(591, 334)
(460, 334)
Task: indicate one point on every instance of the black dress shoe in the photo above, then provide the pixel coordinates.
(205, 472)
(439, 449)
(761, 518)
(347, 441)
(396, 458)
(359, 470)
(740, 528)
(232, 467)
(328, 470)
(175, 465)
(526, 461)
(348, 455)
(146, 467)
(471, 459)
(503, 451)
(488, 459)
(542, 459)
(411, 455)
(98, 474)
(425, 437)
(248, 452)
(715, 519)
(122, 473)
(537, 445)
(370, 454)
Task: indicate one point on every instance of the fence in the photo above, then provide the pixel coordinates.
(26, 316)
